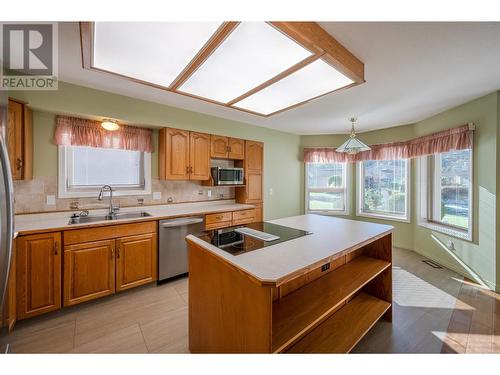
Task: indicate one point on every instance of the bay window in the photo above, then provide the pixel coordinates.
(327, 188)
(383, 189)
(446, 192)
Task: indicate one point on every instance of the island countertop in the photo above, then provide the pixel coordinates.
(331, 237)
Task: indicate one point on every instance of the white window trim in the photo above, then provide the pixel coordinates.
(347, 195)
(422, 203)
(63, 192)
(359, 195)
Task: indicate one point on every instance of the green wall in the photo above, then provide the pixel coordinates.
(478, 259)
(282, 166)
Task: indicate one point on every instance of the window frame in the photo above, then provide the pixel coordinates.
(426, 171)
(360, 189)
(63, 190)
(347, 196)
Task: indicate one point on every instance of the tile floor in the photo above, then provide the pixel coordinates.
(427, 318)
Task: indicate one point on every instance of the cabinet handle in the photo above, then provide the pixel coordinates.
(112, 252)
(191, 169)
(56, 248)
(118, 252)
(187, 169)
(19, 164)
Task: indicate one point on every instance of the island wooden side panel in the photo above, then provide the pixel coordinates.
(228, 312)
(381, 286)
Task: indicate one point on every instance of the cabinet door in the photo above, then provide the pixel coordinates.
(236, 149)
(218, 147)
(38, 274)
(89, 271)
(254, 157)
(15, 139)
(136, 262)
(177, 154)
(199, 155)
(254, 187)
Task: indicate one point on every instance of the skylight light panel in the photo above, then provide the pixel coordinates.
(251, 55)
(313, 80)
(154, 52)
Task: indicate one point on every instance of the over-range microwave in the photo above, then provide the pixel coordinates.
(227, 176)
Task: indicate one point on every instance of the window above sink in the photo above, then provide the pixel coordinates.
(83, 170)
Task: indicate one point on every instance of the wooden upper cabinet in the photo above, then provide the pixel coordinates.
(175, 158)
(227, 148)
(19, 134)
(183, 155)
(38, 274)
(89, 271)
(236, 149)
(136, 260)
(254, 160)
(219, 147)
(199, 156)
(254, 187)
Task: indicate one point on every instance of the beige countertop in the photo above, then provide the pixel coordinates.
(331, 236)
(30, 223)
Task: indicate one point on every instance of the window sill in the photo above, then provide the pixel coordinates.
(384, 217)
(94, 194)
(456, 233)
(328, 213)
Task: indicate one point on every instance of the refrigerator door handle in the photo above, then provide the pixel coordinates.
(7, 221)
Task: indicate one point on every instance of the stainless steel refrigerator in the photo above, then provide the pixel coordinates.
(6, 206)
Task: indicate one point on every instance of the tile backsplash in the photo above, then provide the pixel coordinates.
(31, 196)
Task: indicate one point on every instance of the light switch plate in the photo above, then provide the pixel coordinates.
(156, 195)
(271, 191)
(51, 200)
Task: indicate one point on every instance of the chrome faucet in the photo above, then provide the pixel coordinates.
(111, 211)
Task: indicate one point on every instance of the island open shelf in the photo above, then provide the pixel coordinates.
(326, 307)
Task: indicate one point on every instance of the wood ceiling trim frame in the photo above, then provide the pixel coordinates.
(314, 37)
(308, 34)
(213, 43)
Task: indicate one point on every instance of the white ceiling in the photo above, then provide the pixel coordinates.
(412, 71)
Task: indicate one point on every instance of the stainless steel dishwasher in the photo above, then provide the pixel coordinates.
(173, 253)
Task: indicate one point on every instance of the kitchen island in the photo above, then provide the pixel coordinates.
(319, 293)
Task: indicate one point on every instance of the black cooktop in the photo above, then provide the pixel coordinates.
(235, 243)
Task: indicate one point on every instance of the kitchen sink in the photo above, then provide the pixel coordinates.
(75, 219)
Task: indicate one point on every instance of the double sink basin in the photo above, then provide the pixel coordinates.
(75, 219)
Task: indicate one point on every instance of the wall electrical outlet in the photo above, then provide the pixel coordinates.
(209, 193)
(51, 200)
(156, 195)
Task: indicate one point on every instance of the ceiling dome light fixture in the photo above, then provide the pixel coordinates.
(353, 145)
(110, 125)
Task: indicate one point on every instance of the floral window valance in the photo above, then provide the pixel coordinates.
(459, 138)
(74, 131)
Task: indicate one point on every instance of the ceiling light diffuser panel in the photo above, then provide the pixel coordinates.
(258, 67)
(313, 80)
(252, 54)
(154, 52)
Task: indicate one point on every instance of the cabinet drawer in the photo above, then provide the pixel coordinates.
(106, 232)
(218, 218)
(246, 220)
(222, 224)
(243, 215)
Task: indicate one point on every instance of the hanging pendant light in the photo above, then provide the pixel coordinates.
(110, 125)
(353, 145)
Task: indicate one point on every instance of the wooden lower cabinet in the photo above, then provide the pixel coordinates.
(136, 261)
(89, 271)
(38, 274)
(110, 262)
